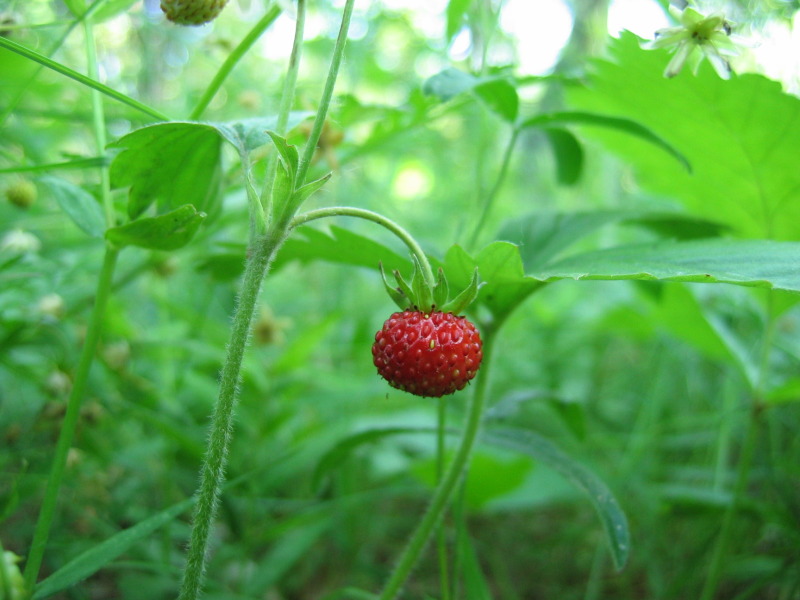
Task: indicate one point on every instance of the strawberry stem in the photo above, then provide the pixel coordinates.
(444, 491)
(361, 213)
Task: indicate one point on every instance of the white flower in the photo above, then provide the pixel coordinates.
(20, 242)
(696, 38)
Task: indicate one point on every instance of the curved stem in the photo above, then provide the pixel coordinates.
(70, 423)
(212, 475)
(446, 487)
(362, 213)
(327, 94)
(490, 197)
(233, 58)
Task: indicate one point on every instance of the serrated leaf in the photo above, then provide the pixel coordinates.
(620, 124)
(741, 135)
(568, 153)
(608, 509)
(78, 204)
(101, 554)
(171, 164)
(752, 263)
(169, 231)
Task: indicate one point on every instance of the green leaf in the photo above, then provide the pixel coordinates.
(76, 7)
(303, 193)
(441, 290)
(505, 284)
(542, 236)
(169, 231)
(395, 293)
(172, 164)
(100, 555)
(339, 246)
(456, 11)
(78, 204)
(475, 585)
(501, 97)
(619, 124)
(742, 137)
(448, 84)
(248, 134)
(466, 297)
(287, 151)
(340, 452)
(568, 153)
(752, 263)
(608, 509)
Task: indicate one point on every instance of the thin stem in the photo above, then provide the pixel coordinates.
(212, 474)
(444, 491)
(361, 213)
(444, 559)
(70, 423)
(233, 58)
(83, 79)
(287, 99)
(490, 197)
(723, 539)
(327, 94)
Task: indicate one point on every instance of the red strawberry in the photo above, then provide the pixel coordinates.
(427, 354)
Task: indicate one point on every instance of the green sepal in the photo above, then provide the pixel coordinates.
(465, 298)
(302, 194)
(169, 231)
(423, 295)
(405, 289)
(441, 290)
(287, 151)
(395, 294)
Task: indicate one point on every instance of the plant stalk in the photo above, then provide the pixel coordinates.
(70, 423)
(233, 58)
(212, 475)
(444, 491)
(362, 213)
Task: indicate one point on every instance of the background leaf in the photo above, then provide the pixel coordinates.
(608, 509)
(741, 136)
(78, 204)
(753, 263)
(169, 231)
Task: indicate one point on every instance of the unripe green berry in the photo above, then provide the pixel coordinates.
(192, 12)
(22, 193)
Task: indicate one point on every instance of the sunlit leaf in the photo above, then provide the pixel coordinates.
(741, 136)
(171, 164)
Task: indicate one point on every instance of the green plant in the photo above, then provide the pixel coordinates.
(611, 371)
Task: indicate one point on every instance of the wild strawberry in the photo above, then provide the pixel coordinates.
(427, 354)
(192, 12)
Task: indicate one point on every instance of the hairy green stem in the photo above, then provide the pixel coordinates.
(362, 213)
(233, 58)
(444, 491)
(490, 197)
(212, 475)
(70, 423)
(327, 94)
